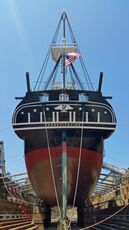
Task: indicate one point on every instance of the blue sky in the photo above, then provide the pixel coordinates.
(101, 28)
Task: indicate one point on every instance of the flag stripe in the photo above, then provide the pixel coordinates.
(70, 58)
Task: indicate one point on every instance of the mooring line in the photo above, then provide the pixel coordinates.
(78, 170)
(107, 218)
(51, 165)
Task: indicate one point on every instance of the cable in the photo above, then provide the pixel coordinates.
(43, 68)
(4, 129)
(122, 162)
(51, 165)
(78, 169)
(109, 217)
(85, 71)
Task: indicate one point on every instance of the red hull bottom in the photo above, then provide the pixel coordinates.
(40, 173)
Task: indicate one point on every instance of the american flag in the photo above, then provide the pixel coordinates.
(70, 58)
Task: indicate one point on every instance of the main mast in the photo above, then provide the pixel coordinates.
(64, 143)
(64, 44)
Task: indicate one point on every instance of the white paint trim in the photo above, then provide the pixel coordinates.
(41, 117)
(29, 118)
(68, 127)
(66, 122)
(87, 104)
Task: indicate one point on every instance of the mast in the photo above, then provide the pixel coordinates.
(64, 143)
(60, 49)
(64, 44)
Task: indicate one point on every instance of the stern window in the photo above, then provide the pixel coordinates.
(83, 97)
(43, 98)
(64, 97)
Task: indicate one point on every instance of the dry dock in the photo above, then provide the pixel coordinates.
(108, 210)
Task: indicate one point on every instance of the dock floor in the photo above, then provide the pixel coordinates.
(54, 227)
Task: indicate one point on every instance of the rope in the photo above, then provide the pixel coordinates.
(85, 71)
(109, 217)
(78, 170)
(44, 65)
(52, 171)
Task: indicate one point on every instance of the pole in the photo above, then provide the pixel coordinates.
(64, 176)
(64, 43)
